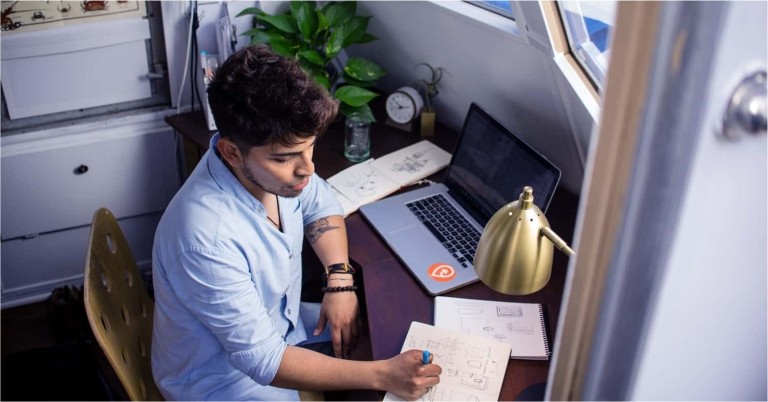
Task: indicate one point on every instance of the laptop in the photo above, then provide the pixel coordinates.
(488, 169)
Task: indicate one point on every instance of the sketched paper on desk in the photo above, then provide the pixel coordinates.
(374, 179)
(473, 367)
(521, 325)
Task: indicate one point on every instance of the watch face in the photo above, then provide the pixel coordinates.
(401, 108)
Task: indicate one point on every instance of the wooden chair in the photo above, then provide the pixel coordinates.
(118, 307)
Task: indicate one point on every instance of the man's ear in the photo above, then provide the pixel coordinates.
(230, 152)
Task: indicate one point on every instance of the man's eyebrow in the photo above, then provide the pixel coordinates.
(293, 153)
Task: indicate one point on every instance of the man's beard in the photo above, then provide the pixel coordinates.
(248, 174)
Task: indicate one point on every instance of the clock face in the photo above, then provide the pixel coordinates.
(403, 107)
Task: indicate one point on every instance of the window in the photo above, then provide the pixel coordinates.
(503, 8)
(588, 27)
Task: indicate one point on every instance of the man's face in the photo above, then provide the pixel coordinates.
(277, 169)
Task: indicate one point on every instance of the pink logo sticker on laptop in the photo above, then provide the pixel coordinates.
(441, 272)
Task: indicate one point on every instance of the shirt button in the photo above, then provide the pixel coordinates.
(289, 311)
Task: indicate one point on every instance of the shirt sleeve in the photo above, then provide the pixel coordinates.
(318, 201)
(217, 289)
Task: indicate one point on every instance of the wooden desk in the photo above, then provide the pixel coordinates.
(393, 298)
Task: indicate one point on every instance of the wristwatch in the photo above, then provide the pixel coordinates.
(341, 268)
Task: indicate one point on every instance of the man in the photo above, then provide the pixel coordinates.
(227, 254)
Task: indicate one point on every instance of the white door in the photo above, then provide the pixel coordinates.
(666, 297)
(706, 339)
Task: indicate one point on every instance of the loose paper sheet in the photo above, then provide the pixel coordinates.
(473, 367)
(517, 324)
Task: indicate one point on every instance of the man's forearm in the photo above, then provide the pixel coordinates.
(328, 237)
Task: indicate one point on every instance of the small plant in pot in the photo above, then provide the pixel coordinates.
(429, 86)
(315, 36)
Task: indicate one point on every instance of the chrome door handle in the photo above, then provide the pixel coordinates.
(747, 111)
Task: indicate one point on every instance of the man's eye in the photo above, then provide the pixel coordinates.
(282, 160)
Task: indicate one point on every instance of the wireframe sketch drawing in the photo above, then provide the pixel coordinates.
(520, 325)
(412, 163)
(473, 368)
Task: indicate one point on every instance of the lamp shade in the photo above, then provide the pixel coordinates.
(514, 255)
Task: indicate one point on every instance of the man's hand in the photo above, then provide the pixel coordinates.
(408, 377)
(341, 311)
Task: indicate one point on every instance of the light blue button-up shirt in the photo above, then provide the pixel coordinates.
(227, 286)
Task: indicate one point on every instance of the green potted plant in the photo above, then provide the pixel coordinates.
(429, 86)
(315, 36)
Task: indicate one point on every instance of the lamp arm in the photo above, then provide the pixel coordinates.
(557, 241)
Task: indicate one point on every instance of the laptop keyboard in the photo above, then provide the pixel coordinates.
(448, 225)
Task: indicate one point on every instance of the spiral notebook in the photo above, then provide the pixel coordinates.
(521, 325)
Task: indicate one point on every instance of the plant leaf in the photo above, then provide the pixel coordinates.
(339, 12)
(363, 112)
(313, 56)
(363, 69)
(354, 30)
(322, 22)
(306, 19)
(354, 96)
(251, 11)
(284, 22)
(335, 42)
(257, 36)
(282, 46)
(364, 84)
(367, 38)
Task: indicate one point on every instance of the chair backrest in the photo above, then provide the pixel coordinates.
(118, 307)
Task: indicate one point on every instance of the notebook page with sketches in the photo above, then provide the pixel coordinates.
(360, 184)
(473, 366)
(374, 179)
(520, 325)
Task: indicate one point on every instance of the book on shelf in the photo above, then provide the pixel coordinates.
(473, 366)
(375, 179)
(520, 325)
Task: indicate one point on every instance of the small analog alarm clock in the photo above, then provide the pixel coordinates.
(404, 105)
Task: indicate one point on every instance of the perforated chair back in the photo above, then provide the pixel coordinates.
(118, 307)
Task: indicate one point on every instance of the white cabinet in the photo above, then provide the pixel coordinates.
(72, 67)
(53, 182)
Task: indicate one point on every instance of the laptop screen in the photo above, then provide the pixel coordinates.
(490, 166)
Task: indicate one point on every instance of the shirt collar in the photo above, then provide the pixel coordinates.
(227, 181)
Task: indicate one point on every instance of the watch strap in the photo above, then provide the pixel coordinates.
(340, 268)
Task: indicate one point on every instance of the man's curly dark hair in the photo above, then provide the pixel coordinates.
(258, 97)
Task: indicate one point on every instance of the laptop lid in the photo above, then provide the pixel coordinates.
(491, 165)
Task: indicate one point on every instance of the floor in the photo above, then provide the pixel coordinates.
(46, 355)
(25, 327)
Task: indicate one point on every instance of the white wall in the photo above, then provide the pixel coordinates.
(514, 79)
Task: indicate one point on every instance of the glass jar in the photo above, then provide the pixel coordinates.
(357, 139)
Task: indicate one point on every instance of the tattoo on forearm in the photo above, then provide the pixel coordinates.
(316, 229)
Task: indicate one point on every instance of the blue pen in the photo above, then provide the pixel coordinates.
(425, 357)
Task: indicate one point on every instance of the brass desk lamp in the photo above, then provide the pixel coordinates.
(514, 255)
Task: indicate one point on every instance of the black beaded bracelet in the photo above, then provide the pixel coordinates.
(326, 289)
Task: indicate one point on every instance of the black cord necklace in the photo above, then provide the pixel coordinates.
(276, 224)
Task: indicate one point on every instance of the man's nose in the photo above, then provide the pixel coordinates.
(305, 167)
